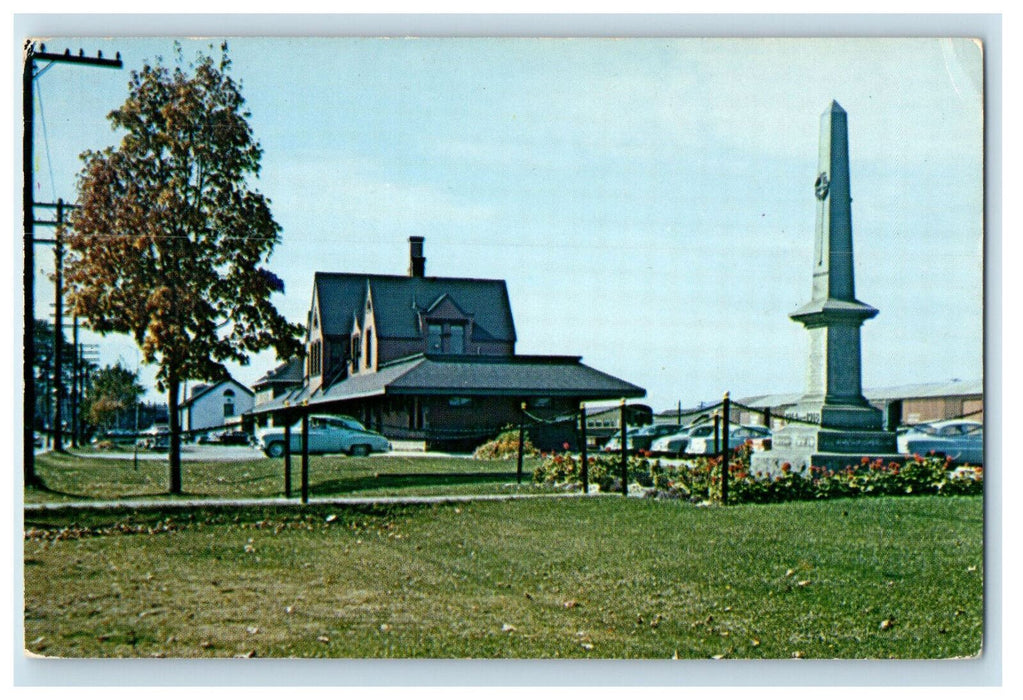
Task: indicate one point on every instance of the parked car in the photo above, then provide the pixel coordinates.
(962, 440)
(638, 438)
(156, 437)
(118, 436)
(701, 439)
(226, 437)
(327, 434)
(674, 445)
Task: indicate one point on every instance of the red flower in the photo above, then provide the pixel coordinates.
(917, 458)
(786, 467)
(864, 460)
(565, 445)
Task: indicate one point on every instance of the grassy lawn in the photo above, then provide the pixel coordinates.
(601, 577)
(69, 477)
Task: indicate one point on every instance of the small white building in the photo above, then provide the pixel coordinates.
(215, 405)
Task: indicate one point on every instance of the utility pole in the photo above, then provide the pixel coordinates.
(58, 333)
(28, 78)
(75, 394)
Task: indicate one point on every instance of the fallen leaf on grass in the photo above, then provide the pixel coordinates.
(323, 638)
(587, 646)
(569, 604)
(252, 629)
(507, 628)
(887, 623)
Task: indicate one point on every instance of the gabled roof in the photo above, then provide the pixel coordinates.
(398, 301)
(290, 372)
(211, 388)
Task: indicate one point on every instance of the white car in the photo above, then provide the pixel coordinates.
(962, 440)
(327, 434)
(701, 438)
(674, 445)
(639, 438)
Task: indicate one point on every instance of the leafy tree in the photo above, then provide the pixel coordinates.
(169, 238)
(111, 391)
(44, 358)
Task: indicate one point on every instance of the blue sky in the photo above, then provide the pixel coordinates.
(649, 201)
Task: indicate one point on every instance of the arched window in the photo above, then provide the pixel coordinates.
(369, 347)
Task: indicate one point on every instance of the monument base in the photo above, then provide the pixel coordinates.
(804, 446)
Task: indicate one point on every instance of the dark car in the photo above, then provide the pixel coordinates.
(233, 437)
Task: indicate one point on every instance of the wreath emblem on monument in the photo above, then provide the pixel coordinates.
(820, 186)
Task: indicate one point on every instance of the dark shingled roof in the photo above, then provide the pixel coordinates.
(521, 375)
(290, 372)
(472, 375)
(397, 301)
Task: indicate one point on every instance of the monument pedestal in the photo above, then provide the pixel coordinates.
(803, 446)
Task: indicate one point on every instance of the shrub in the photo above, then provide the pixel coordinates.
(506, 446)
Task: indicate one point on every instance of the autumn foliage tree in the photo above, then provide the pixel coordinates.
(169, 239)
(112, 391)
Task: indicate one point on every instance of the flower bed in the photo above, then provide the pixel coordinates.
(700, 479)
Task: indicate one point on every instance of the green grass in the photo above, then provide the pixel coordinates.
(601, 577)
(69, 477)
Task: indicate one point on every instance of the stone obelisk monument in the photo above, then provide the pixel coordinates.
(841, 425)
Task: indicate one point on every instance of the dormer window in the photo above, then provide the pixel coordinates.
(456, 340)
(448, 338)
(356, 353)
(435, 337)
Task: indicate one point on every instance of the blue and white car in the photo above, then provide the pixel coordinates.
(327, 434)
(962, 440)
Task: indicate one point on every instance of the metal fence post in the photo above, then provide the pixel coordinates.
(725, 451)
(625, 452)
(287, 456)
(305, 453)
(582, 447)
(522, 435)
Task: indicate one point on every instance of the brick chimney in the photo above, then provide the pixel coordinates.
(417, 263)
